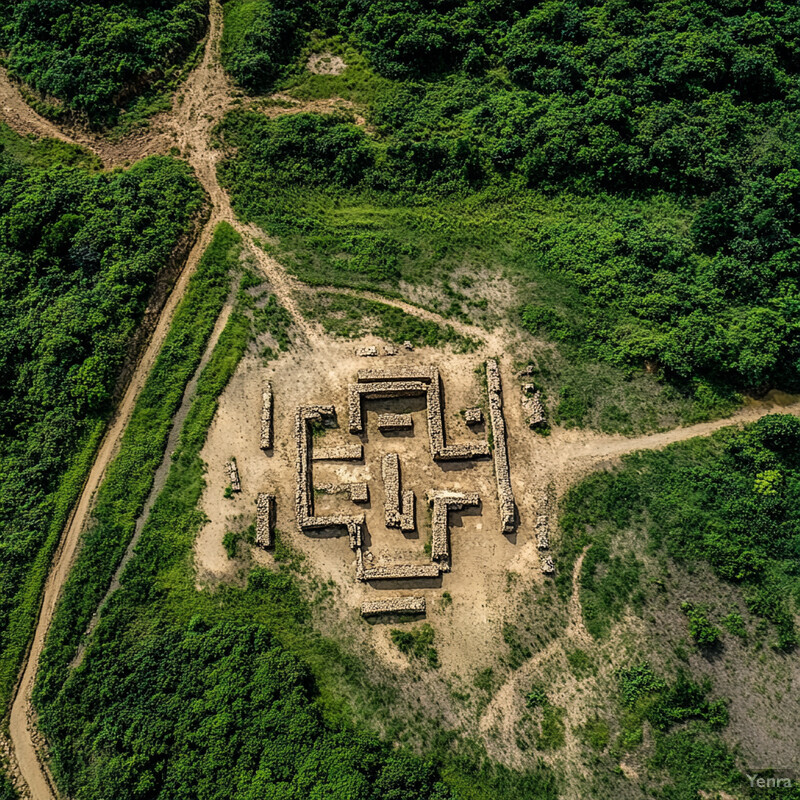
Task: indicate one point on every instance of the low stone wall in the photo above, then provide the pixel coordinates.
(359, 492)
(393, 605)
(425, 374)
(341, 452)
(233, 475)
(407, 515)
(374, 391)
(444, 502)
(395, 422)
(390, 472)
(265, 520)
(473, 416)
(500, 452)
(532, 406)
(399, 572)
(266, 417)
(304, 493)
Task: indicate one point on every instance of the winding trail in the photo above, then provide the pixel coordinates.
(201, 102)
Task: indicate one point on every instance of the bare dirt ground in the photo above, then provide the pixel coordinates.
(317, 369)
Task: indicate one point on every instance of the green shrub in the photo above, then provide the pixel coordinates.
(417, 643)
(700, 629)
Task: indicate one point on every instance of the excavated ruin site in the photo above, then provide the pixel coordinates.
(401, 475)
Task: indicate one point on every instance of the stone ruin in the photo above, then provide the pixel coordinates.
(500, 448)
(409, 381)
(399, 510)
(367, 352)
(233, 475)
(340, 452)
(532, 406)
(473, 416)
(542, 531)
(393, 605)
(265, 520)
(443, 503)
(304, 493)
(395, 422)
(266, 417)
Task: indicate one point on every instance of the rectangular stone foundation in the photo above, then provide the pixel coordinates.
(394, 422)
(374, 391)
(265, 520)
(342, 452)
(443, 503)
(390, 472)
(500, 453)
(393, 605)
(266, 417)
(400, 572)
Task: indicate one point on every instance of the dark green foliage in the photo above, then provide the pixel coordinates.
(700, 628)
(696, 760)
(6, 789)
(130, 476)
(225, 710)
(79, 253)
(663, 705)
(734, 624)
(92, 55)
(260, 40)
(705, 501)
(536, 697)
(479, 106)
(417, 643)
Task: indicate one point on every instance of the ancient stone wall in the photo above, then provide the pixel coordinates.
(340, 452)
(233, 475)
(425, 374)
(304, 493)
(532, 406)
(399, 572)
(373, 391)
(500, 450)
(393, 605)
(390, 472)
(266, 417)
(395, 422)
(265, 520)
(443, 502)
(473, 416)
(407, 515)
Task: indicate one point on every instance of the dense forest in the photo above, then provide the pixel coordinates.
(79, 252)
(642, 160)
(90, 56)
